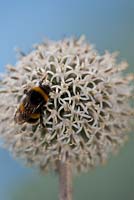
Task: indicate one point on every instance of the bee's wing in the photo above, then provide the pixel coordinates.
(31, 108)
(37, 108)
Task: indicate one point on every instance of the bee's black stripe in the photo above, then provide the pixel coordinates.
(32, 120)
(36, 98)
(40, 93)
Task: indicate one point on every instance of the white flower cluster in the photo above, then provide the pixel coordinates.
(88, 113)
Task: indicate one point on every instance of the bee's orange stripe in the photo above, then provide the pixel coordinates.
(21, 107)
(35, 115)
(38, 89)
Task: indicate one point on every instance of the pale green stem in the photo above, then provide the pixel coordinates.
(65, 181)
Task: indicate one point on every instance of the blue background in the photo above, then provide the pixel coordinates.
(108, 25)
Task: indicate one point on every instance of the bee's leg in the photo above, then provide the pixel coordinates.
(41, 120)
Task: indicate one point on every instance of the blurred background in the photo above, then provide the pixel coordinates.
(107, 24)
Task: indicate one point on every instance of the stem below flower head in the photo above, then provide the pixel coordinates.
(65, 180)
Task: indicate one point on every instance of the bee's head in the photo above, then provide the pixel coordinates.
(46, 88)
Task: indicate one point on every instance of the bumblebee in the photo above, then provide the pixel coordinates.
(31, 108)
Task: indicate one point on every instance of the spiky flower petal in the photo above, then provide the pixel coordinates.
(87, 116)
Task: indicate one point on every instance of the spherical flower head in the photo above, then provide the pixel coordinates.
(87, 115)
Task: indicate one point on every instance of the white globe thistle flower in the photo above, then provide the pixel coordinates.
(87, 115)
